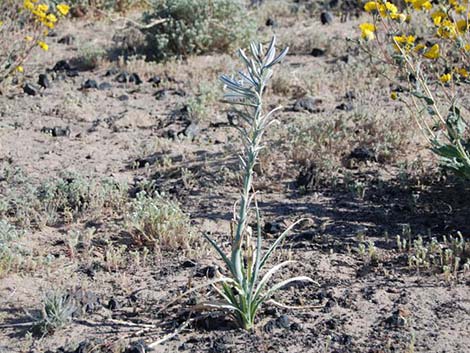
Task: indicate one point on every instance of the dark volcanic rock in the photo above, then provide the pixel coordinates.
(104, 86)
(67, 39)
(43, 81)
(317, 52)
(90, 84)
(30, 89)
(56, 131)
(362, 153)
(310, 104)
(135, 78)
(326, 18)
(123, 77)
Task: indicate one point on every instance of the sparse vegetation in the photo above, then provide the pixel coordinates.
(118, 157)
(159, 223)
(197, 27)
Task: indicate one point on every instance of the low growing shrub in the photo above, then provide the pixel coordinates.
(159, 223)
(197, 27)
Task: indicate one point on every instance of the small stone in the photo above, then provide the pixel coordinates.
(271, 22)
(155, 80)
(67, 39)
(112, 71)
(123, 77)
(347, 107)
(43, 81)
(283, 321)
(123, 98)
(61, 65)
(56, 131)
(272, 227)
(188, 264)
(208, 271)
(90, 84)
(160, 94)
(30, 89)
(103, 86)
(317, 52)
(309, 104)
(362, 153)
(326, 18)
(113, 304)
(136, 348)
(135, 78)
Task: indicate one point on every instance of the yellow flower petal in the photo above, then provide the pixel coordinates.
(43, 46)
(63, 9)
(433, 52)
(367, 30)
(446, 78)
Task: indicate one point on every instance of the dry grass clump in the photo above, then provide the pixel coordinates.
(324, 147)
(158, 223)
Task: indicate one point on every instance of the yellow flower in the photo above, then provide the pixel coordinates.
(28, 38)
(447, 29)
(43, 46)
(51, 18)
(466, 47)
(462, 72)
(391, 8)
(463, 26)
(63, 9)
(404, 42)
(400, 17)
(433, 52)
(19, 69)
(421, 4)
(394, 95)
(438, 16)
(367, 30)
(43, 7)
(371, 6)
(420, 47)
(28, 5)
(1, 23)
(445, 78)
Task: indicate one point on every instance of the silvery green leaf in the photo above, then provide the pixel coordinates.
(271, 51)
(279, 58)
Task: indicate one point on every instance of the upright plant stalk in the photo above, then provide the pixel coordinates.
(242, 290)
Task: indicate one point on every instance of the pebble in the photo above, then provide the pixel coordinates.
(43, 81)
(30, 89)
(326, 18)
(310, 104)
(104, 86)
(90, 84)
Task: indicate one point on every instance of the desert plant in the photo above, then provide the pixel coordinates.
(429, 44)
(56, 311)
(244, 289)
(197, 27)
(159, 223)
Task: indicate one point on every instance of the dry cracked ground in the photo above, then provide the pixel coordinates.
(343, 155)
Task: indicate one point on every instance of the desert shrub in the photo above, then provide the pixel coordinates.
(22, 29)
(159, 223)
(197, 27)
(56, 311)
(322, 147)
(9, 251)
(62, 199)
(428, 44)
